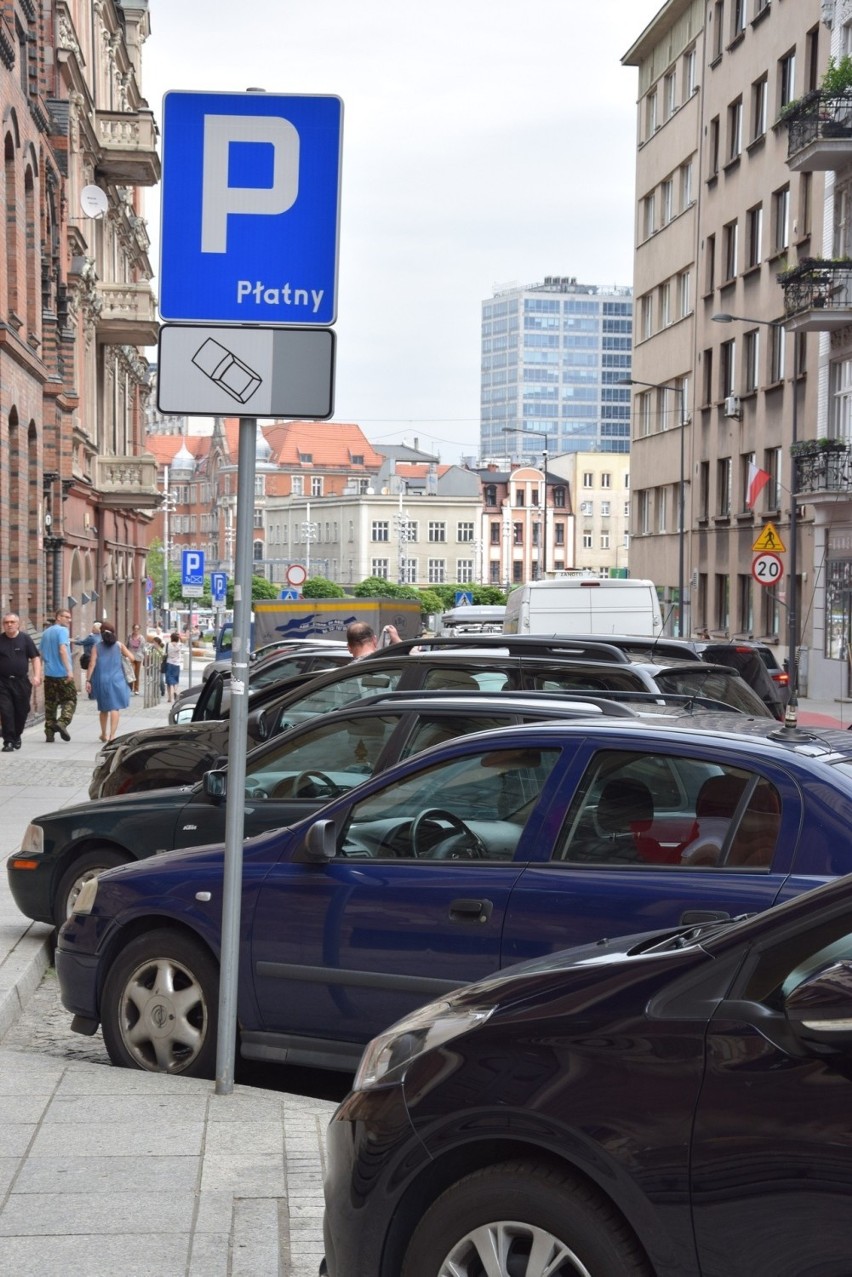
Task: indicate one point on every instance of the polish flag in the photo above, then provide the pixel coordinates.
(757, 481)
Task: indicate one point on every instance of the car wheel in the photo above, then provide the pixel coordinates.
(159, 1006)
(89, 865)
(521, 1220)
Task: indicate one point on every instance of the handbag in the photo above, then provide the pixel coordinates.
(129, 672)
(85, 660)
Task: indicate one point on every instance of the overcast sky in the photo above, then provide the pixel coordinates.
(485, 142)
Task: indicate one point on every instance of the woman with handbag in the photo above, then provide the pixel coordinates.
(110, 676)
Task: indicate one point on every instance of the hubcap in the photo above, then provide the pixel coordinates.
(510, 1249)
(163, 1016)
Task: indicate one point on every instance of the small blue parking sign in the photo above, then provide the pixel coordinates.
(250, 208)
(218, 587)
(192, 568)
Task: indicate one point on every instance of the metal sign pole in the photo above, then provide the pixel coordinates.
(237, 744)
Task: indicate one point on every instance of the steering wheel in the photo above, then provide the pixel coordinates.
(471, 845)
(309, 779)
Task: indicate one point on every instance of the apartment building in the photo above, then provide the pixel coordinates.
(719, 216)
(599, 484)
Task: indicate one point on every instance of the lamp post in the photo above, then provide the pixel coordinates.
(681, 499)
(792, 616)
(545, 452)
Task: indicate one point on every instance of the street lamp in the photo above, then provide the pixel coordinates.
(792, 618)
(681, 501)
(545, 452)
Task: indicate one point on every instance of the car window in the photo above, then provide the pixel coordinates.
(637, 808)
(435, 729)
(327, 761)
(454, 678)
(579, 680)
(460, 809)
(338, 693)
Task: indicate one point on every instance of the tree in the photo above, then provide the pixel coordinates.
(319, 587)
(260, 589)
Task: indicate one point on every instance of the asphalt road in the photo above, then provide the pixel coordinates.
(45, 1026)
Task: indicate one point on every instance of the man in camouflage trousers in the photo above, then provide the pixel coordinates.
(60, 690)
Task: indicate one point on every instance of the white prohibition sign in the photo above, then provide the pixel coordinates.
(297, 574)
(767, 568)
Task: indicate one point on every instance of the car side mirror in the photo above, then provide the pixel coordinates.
(819, 1010)
(214, 784)
(320, 844)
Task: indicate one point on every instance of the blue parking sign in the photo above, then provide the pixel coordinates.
(218, 587)
(250, 208)
(192, 568)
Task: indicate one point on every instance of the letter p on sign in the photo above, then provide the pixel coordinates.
(220, 199)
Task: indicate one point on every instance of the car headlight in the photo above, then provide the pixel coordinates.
(85, 901)
(431, 1026)
(33, 840)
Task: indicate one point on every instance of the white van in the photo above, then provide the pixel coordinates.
(584, 605)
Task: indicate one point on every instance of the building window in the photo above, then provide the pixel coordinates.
(779, 354)
(723, 488)
(645, 403)
(713, 135)
(670, 94)
(648, 210)
(735, 130)
(759, 108)
(494, 573)
(723, 601)
(437, 571)
(646, 315)
(559, 534)
(587, 508)
(558, 497)
(588, 541)
(517, 534)
(738, 18)
(490, 494)
(588, 479)
(686, 195)
(605, 509)
(684, 294)
(772, 491)
(841, 400)
(604, 540)
(464, 571)
(380, 568)
(662, 512)
(651, 120)
(841, 221)
(519, 498)
(730, 241)
(786, 79)
(781, 219)
(464, 532)
(437, 530)
(665, 304)
(666, 201)
(728, 355)
(297, 486)
(381, 530)
(316, 485)
(710, 264)
(718, 32)
(644, 513)
(495, 534)
(517, 573)
(751, 360)
(690, 63)
(408, 571)
(754, 235)
(606, 480)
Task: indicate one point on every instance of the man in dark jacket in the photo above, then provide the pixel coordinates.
(17, 654)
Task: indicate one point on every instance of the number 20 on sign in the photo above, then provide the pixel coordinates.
(767, 569)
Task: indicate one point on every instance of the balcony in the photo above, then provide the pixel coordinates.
(817, 295)
(819, 132)
(127, 483)
(128, 148)
(822, 466)
(128, 316)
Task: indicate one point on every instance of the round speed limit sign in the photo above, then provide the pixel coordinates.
(767, 569)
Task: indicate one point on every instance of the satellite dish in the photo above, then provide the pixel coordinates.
(93, 201)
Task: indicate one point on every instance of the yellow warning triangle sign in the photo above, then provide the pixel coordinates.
(769, 540)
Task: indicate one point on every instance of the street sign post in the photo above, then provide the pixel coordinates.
(218, 588)
(250, 208)
(192, 573)
(768, 540)
(767, 568)
(246, 372)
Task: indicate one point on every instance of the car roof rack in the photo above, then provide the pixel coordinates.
(512, 644)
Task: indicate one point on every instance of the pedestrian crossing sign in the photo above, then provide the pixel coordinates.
(769, 540)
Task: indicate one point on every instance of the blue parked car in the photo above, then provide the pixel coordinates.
(488, 850)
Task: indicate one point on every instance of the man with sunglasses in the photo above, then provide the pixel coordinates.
(17, 654)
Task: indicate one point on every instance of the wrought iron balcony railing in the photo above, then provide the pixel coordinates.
(818, 294)
(822, 466)
(819, 131)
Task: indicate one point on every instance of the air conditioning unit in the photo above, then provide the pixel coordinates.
(732, 407)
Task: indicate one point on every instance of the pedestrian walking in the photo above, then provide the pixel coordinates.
(17, 654)
(93, 637)
(174, 659)
(108, 680)
(157, 642)
(60, 691)
(136, 646)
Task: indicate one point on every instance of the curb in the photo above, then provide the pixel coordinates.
(21, 972)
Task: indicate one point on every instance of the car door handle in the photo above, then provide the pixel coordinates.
(470, 910)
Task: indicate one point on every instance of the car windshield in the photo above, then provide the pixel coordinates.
(718, 684)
